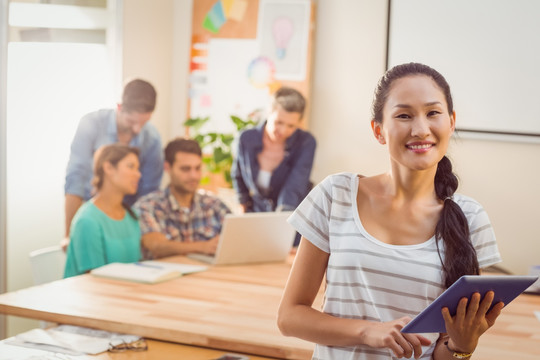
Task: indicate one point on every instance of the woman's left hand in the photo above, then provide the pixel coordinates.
(471, 321)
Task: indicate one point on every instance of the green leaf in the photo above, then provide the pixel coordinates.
(196, 123)
(207, 160)
(200, 139)
(227, 139)
(212, 137)
(228, 178)
(220, 155)
(240, 124)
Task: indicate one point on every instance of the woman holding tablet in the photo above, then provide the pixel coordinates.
(390, 244)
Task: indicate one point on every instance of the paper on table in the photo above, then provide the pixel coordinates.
(138, 272)
(11, 352)
(71, 340)
(149, 272)
(182, 268)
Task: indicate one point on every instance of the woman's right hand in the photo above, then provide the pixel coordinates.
(389, 335)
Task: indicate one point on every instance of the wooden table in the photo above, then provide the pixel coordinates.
(232, 308)
(160, 350)
(157, 350)
(515, 335)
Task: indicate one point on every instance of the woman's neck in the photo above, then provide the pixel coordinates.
(410, 185)
(272, 154)
(110, 202)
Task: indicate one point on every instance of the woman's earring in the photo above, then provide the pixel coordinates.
(381, 139)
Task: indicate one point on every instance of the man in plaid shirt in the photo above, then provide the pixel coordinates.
(180, 219)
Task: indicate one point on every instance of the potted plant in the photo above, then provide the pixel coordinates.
(217, 147)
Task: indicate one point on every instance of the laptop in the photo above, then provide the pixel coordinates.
(252, 238)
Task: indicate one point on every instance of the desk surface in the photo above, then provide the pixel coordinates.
(156, 350)
(170, 351)
(231, 308)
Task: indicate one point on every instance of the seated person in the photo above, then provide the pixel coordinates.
(182, 218)
(104, 229)
(273, 161)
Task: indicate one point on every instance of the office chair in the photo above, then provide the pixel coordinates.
(47, 264)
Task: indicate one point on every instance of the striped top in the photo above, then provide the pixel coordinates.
(372, 280)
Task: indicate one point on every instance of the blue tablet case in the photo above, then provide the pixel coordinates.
(506, 288)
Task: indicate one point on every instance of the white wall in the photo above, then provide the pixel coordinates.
(148, 52)
(349, 57)
(3, 156)
(180, 72)
(503, 176)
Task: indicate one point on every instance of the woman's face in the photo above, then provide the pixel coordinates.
(125, 176)
(282, 124)
(416, 124)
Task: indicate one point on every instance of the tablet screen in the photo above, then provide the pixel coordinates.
(506, 288)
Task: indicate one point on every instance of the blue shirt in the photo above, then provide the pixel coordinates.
(290, 181)
(99, 128)
(96, 240)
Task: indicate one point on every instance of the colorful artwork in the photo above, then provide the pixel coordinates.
(282, 30)
(261, 72)
(222, 11)
(283, 34)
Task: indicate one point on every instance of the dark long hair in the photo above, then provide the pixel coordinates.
(452, 227)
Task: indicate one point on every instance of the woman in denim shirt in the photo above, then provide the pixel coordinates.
(273, 162)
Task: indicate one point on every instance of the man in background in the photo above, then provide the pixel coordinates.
(127, 124)
(182, 218)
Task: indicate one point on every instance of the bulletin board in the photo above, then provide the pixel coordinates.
(242, 51)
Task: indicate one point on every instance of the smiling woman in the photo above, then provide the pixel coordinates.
(389, 244)
(104, 229)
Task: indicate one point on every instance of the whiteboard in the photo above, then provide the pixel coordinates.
(488, 51)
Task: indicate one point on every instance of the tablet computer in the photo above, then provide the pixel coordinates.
(506, 288)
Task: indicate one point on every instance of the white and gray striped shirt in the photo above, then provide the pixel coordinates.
(371, 280)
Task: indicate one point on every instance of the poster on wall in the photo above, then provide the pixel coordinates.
(241, 53)
(230, 88)
(283, 34)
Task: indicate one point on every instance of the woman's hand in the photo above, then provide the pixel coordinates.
(389, 335)
(470, 322)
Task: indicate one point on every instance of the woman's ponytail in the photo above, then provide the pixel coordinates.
(452, 227)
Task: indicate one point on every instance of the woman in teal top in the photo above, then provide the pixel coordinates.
(104, 229)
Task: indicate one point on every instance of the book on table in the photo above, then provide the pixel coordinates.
(149, 272)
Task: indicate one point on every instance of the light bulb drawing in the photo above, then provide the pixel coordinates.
(282, 30)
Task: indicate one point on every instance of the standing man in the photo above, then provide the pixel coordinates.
(182, 218)
(127, 124)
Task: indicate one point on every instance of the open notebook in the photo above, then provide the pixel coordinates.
(149, 272)
(252, 238)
